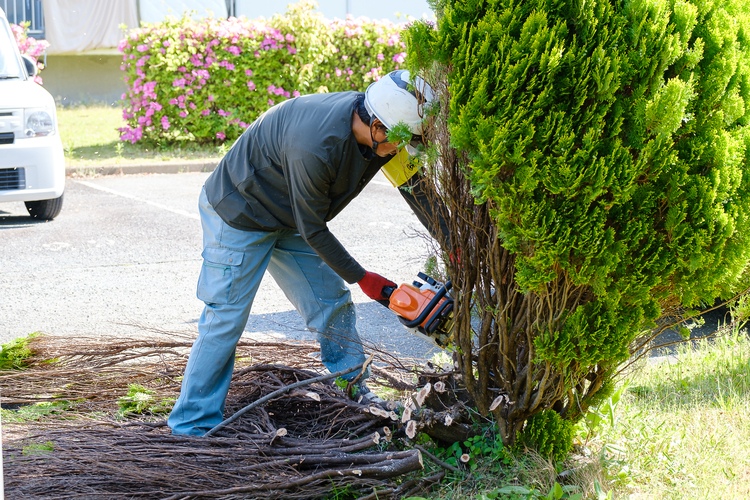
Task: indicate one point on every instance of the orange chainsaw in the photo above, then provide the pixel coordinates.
(426, 309)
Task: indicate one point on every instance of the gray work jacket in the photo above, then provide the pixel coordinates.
(296, 167)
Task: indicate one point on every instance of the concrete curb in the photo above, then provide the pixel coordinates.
(143, 168)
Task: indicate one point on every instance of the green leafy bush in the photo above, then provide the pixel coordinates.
(208, 80)
(605, 146)
(548, 434)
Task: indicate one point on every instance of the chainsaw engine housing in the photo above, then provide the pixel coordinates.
(425, 307)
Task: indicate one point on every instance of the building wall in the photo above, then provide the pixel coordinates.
(87, 78)
(380, 9)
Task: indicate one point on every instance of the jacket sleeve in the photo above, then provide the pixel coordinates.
(309, 180)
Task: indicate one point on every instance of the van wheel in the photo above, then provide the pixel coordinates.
(45, 209)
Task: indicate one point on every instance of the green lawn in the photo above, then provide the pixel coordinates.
(682, 430)
(90, 137)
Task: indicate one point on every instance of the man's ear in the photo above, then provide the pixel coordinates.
(375, 125)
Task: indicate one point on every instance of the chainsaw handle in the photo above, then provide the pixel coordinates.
(387, 291)
(428, 309)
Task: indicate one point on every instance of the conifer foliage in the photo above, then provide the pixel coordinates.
(594, 156)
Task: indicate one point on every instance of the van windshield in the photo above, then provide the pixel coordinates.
(10, 66)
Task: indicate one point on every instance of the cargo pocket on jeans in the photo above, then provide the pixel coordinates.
(216, 284)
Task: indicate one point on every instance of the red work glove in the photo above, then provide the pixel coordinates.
(372, 284)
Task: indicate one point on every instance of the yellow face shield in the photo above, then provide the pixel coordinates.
(401, 168)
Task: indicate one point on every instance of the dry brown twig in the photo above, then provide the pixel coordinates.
(294, 445)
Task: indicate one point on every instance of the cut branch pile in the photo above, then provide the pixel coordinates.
(307, 443)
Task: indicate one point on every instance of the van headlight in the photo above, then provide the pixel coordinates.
(39, 122)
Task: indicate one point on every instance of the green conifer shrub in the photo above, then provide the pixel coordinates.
(594, 158)
(549, 434)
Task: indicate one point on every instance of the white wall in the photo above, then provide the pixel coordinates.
(374, 9)
(154, 11)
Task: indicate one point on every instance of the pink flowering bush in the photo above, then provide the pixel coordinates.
(29, 46)
(365, 50)
(208, 80)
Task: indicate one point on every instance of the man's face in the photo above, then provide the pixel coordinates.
(380, 134)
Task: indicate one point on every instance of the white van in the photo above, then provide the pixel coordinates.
(32, 163)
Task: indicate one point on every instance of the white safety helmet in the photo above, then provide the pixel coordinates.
(396, 98)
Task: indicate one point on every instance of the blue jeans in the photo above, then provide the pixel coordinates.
(233, 266)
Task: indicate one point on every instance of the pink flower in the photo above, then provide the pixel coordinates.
(179, 82)
(249, 72)
(205, 112)
(380, 57)
(221, 135)
(142, 48)
(192, 105)
(165, 122)
(173, 101)
(270, 102)
(338, 72)
(291, 49)
(183, 114)
(289, 37)
(251, 85)
(296, 93)
(279, 91)
(210, 98)
(234, 50)
(367, 43)
(166, 43)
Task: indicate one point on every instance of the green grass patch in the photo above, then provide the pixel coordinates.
(90, 137)
(39, 411)
(39, 448)
(682, 430)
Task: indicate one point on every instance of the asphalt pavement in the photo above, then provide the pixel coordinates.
(123, 257)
